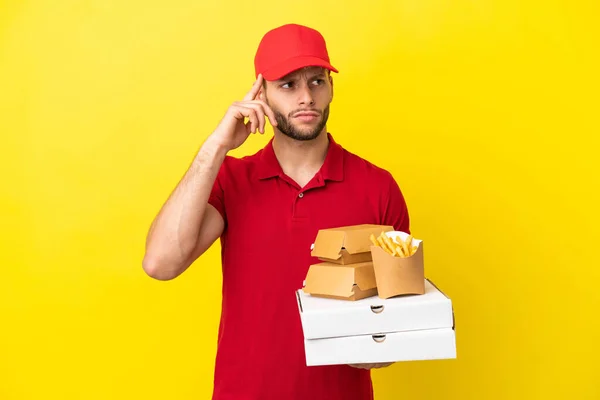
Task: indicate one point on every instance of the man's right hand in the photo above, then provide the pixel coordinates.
(232, 131)
(186, 226)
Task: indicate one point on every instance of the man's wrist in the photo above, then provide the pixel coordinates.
(213, 148)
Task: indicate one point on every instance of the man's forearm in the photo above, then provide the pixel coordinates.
(175, 230)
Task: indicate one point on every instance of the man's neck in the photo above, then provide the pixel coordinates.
(300, 160)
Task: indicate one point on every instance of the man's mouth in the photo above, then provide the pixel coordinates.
(307, 116)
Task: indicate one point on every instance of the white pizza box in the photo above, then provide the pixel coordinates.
(428, 344)
(330, 318)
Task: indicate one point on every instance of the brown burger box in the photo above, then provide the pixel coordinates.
(344, 282)
(396, 276)
(347, 244)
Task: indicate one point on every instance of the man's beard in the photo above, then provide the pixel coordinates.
(288, 129)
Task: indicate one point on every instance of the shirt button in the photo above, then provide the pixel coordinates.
(301, 195)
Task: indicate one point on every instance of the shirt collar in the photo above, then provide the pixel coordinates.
(332, 168)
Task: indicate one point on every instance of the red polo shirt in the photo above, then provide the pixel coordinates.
(270, 224)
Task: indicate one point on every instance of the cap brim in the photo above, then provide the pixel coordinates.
(293, 64)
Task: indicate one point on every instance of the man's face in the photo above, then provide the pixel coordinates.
(300, 102)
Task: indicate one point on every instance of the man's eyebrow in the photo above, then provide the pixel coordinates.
(317, 75)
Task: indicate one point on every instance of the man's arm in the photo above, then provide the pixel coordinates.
(187, 225)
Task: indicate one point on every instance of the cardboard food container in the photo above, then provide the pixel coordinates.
(347, 244)
(396, 276)
(429, 344)
(328, 318)
(373, 330)
(345, 282)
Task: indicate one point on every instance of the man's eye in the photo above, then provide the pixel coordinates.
(318, 81)
(287, 85)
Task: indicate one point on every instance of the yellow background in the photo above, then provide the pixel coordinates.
(486, 112)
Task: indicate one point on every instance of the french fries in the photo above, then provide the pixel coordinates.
(396, 247)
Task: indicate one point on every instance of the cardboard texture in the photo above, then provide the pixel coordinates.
(346, 282)
(396, 276)
(329, 318)
(394, 313)
(347, 244)
(375, 330)
(430, 344)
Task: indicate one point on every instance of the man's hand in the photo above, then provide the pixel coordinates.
(371, 366)
(232, 130)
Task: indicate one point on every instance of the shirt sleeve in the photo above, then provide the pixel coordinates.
(217, 194)
(395, 210)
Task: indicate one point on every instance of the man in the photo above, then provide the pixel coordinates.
(266, 209)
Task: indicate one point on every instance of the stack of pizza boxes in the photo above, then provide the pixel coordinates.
(367, 300)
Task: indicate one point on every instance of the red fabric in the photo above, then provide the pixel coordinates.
(288, 48)
(266, 255)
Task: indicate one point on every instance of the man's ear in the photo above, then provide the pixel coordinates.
(331, 82)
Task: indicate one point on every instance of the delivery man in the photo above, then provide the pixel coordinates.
(266, 209)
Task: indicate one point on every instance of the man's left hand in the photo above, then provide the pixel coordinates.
(371, 366)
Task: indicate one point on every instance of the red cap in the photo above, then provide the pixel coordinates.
(290, 47)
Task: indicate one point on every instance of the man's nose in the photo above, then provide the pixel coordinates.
(306, 95)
